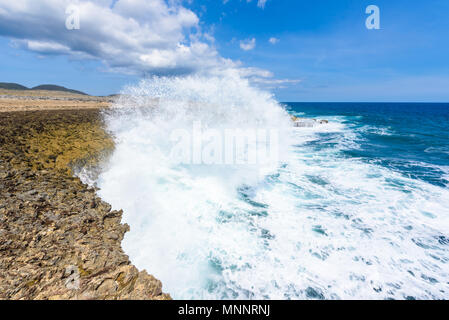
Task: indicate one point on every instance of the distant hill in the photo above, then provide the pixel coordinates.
(49, 87)
(12, 86)
(52, 87)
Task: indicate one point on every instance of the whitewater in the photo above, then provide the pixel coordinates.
(316, 224)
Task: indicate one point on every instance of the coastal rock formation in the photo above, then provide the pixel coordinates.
(58, 239)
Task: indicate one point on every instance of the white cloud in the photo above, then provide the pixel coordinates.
(265, 79)
(255, 72)
(274, 83)
(273, 40)
(129, 36)
(134, 35)
(248, 45)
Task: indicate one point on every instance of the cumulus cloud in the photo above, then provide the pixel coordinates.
(248, 44)
(127, 35)
(273, 40)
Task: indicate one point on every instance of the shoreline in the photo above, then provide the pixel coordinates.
(58, 239)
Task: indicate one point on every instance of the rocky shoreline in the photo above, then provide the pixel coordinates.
(58, 239)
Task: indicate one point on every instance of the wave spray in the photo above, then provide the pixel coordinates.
(312, 224)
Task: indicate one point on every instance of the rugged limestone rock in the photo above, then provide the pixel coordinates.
(58, 240)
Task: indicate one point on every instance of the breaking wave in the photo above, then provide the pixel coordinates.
(317, 224)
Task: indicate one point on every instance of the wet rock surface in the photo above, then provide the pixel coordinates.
(58, 239)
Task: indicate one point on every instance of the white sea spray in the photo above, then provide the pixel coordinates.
(316, 225)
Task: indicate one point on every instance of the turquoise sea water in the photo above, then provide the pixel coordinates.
(410, 138)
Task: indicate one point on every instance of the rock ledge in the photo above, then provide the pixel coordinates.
(58, 239)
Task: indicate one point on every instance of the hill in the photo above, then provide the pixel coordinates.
(48, 87)
(52, 87)
(12, 86)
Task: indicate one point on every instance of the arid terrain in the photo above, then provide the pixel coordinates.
(27, 100)
(58, 239)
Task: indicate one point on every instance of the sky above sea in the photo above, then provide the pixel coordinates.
(298, 50)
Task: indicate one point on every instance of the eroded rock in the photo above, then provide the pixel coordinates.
(58, 240)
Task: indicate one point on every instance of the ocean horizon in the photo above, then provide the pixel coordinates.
(234, 151)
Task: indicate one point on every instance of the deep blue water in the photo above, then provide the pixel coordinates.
(411, 138)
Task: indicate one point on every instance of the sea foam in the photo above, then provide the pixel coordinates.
(318, 225)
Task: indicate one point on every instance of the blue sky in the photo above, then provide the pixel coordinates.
(323, 51)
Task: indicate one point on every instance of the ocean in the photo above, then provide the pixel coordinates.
(409, 138)
(356, 208)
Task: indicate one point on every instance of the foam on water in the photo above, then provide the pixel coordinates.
(318, 225)
(376, 130)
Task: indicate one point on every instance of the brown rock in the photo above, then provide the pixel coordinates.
(57, 239)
